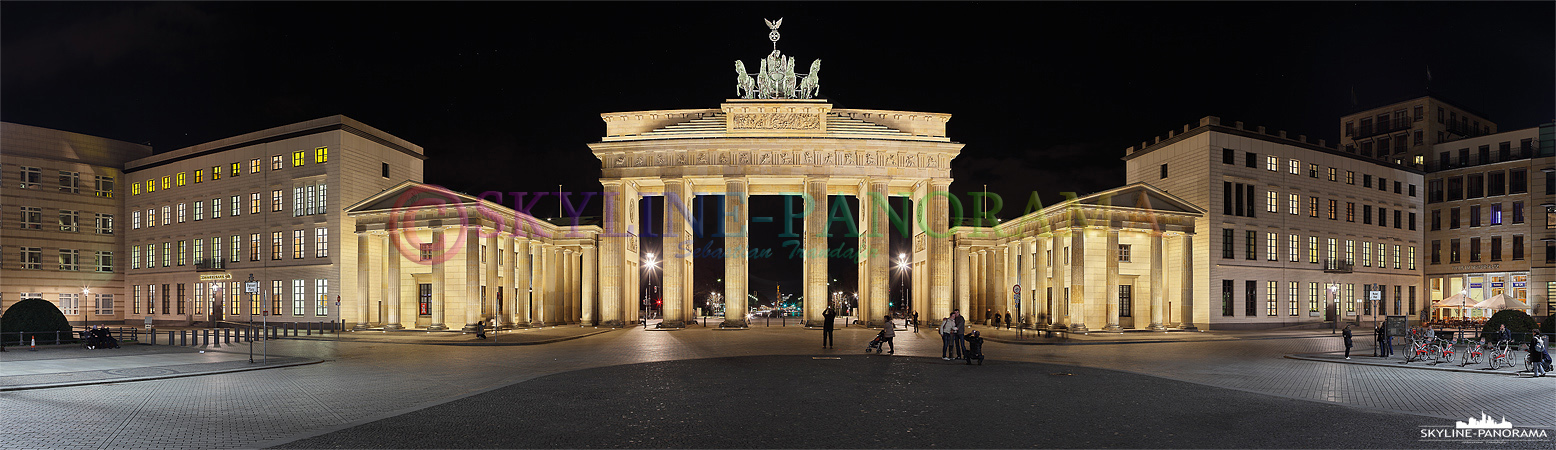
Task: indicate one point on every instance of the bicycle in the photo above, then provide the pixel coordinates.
(1419, 347)
(1443, 351)
(1472, 353)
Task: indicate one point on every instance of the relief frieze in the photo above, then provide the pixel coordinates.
(775, 121)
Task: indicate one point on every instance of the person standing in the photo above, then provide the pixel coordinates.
(1007, 320)
(1538, 352)
(956, 334)
(480, 329)
(826, 326)
(947, 329)
(1347, 336)
(1387, 342)
(988, 314)
(887, 333)
(915, 321)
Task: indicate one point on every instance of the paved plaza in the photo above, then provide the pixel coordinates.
(763, 387)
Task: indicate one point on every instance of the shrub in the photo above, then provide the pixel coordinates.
(1517, 321)
(35, 316)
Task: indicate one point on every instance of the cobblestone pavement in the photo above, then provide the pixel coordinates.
(366, 381)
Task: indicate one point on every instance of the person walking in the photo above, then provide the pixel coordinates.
(996, 322)
(1387, 341)
(988, 314)
(947, 329)
(957, 333)
(1007, 320)
(826, 326)
(1539, 353)
(887, 333)
(915, 321)
(1347, 336)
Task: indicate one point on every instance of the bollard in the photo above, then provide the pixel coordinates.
(205, 337)
(152, 334)
(310, 329)
(183, 338)
(170, 337)
(56, 337)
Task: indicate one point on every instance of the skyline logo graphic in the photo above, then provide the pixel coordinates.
(1482, 430)
(1484, 421)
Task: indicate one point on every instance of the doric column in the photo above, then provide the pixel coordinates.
(507, 259)
(539, 282)
(964, 279)
(1059, 304)
(878, 263)
(737, 212)
(1112, 280)
(440, 253)
(554, 285)
(364, 266)
(1028, 270)
(571, 286)
(391, 280)
(520, 308)
(939, 248)
(494, 284)
(676, 214)
(1158, 280)
(1077, 311)
(1187, 296)
(1036, 307)
(816, 291)
(471, 258)
(986, 276)
(591, 299)
(614, 296)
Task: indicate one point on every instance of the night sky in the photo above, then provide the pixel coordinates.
(505, 96)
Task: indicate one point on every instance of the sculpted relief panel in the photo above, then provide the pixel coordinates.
(748, 157)
(775, 121)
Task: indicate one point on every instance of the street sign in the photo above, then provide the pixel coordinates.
(251, 287)
(1375, 295)
(1016, 289)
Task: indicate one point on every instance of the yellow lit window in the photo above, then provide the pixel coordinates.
(199, 174)
(167, 181)
(237, 169)
(181, 178)
(216, 173)
(321, 155)
(135, 189)
(151, 186)
(297, 158)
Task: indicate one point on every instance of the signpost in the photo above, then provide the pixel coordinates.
(1016, 293)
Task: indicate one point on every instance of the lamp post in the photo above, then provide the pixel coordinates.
(648, 269)
(86, 312)
(902, 280)
(1333, 290)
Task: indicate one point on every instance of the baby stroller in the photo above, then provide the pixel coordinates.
(875, 344)
(974, 348)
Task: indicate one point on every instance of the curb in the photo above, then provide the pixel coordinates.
(1398, 364)
(153, 377)
(1150, 341)
(467, 344)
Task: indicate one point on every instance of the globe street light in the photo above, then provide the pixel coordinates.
(902, 280)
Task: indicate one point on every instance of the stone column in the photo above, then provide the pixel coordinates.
(1158, 281)
(1077, 307)
(817, 293)
(440, 253)
(1187, 296)
(471, 258)
(494, 284)
(521, 283)
(737, 212)
(539, 285)
(676, 212)
(1112, 280)
(508, 258)
(879, 259)
(364, 265)
(614, 295)
(554, 285)
(939, 248)
(1028, 281)
(1039, 307)
(591, 300)
(1058, 318)
(572, 287)
(391, 280)
(964, 281)
(986, 275)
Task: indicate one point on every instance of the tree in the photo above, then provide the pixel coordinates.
(1516, 320)
(35, 316)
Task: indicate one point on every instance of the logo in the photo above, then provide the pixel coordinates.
(1483, 429)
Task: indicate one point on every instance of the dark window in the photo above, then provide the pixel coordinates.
(1475, 185)
(1226, 297)
(1474, 249)
(1434, 191)
(1226, 243)
(1397, 291)
(1366, 181)
(1396, 219)
(1412, 190)
(1517, 181)
(1383, 185)
(1164, 171)
(1249, 198)
(1484, 154)
(1442, 158)
(1496, 248)
(1227, 156)
(1383, 217)
(1496, 183)
(1240, 200)
(1455, 188)
(386, 170)
(1397, 185)
(1550, 252)
(1453, 218)
(1252, 247)
(1251, 299)
(1366, 149)
(1453, 251)
(1550, 183)
(1251, 159)
(1412, 221)
(1226, 198)
(1418, 114)
(1518, 212)
(1518, 248)
(1437, 219)
(1505, 151)
(1437, 252)
(1126, 299)
(1464, 157)
(1474, 216)
(1439, 114)
(1367, 214)
(1412, 291)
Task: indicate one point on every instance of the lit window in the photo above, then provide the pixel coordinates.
(135, 189)
(321, 155)
(254, 165)
(216, 208)
(297, 244)
(1295, 166)
(151, 186)
(275, 162)
(1271, 201)
(275, 200)
(321, 305)
(237, 169)
(181, 179)
(167, 214)
(321, 242)
(1272, 163)
(237, 204)
(180, 213)
(167, 182)
(254, 203)
(297, 158)
(216, 173)
(199, 174)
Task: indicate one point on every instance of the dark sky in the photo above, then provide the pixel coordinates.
(505, 96)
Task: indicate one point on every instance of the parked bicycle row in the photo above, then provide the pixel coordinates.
(1424, 344)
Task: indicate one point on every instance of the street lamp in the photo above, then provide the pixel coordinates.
(902, 279)
(86, 312)
(1333, 291)
(649, 266)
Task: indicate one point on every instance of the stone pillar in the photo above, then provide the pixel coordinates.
(878, 260)
(1077, 307)
(817, 291)
(494, 284)
(591, 299)
(1112, 280)
(440, 253)
(521, 283)
(939, 248)
(554, 286)
(507, 258)
(471, 258)
(1058, 318)
(1187, 296)
(614, 296)
(1158, 281)
(737, 212)
(988, 272)
(391, 280)
(1028, 269)
(364, 266)
(1038, 308)
(574, 290)
(539, 284)
(964, 279)
(676, 218)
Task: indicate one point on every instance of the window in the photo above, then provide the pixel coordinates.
(199, 210)
(297, 201)
(254, 203)
(1412, 221)
(1366, 254)
(181, 214)
(1496, 214)
(1291, 248)
(69, 304)
(1226, 297)
(1123, 249)
(1496, 249)
(321, 245)
(1350, 177)
(237, 205)
(1312, 249)
(321, 292)
(199, 298)
(277, 290)
(1366, 181)
(1226, 243)
(1350, 251)
(1292, 297)
(216, 251)
(1164, 171)
(70, 182)
(1474, 249)
(104, 304)
(312, 204)
(1270, 288)
(1294, 166)
(254, 247)
(1312, 296)
(321, 155)
(32, 218)
(297, 158)
(1333, 249)
(1227, 156)
(1312, 207)
(275, 162)
(134, 256)
(1475, 185)
(31, 177)
(1350, 211)
(167, 182)
(1334, 210)
(1420, 138)
(1396, 256)
(1382, 184)
(1411, 262)
(69, 259)
(1518, 250)
(1272, 163)
(1271, 202)
(167, 214)
(424, 299)
(216, 208)
(1291, 204)
(1333, 174)
(1350, 128)
(1270, 251)
(275, 245)
(1251, 298)
(151, 186)
(199, 250)
(299, 291)
(135, 189)
(1312, 170)
(69, 221)
(386, 170)
(1474, 216)
(1496, 183)
(103, 187)
(297, 244)
(182, 251)
(151, 217)
(31, 257)
(1518, 212)
(1125, 300)
(180, 178)
(151, 255)
(426, 252)
(1518, 181)
(253, 165)
(1453, 251)
(237, 247)
(1251, 246)
(275, 200)
(1437, 249)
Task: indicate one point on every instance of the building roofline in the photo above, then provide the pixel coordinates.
(325, 124)
(1428, 95)
(1213, 123)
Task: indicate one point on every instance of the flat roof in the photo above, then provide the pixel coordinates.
(320, 125)
(1209, 124)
